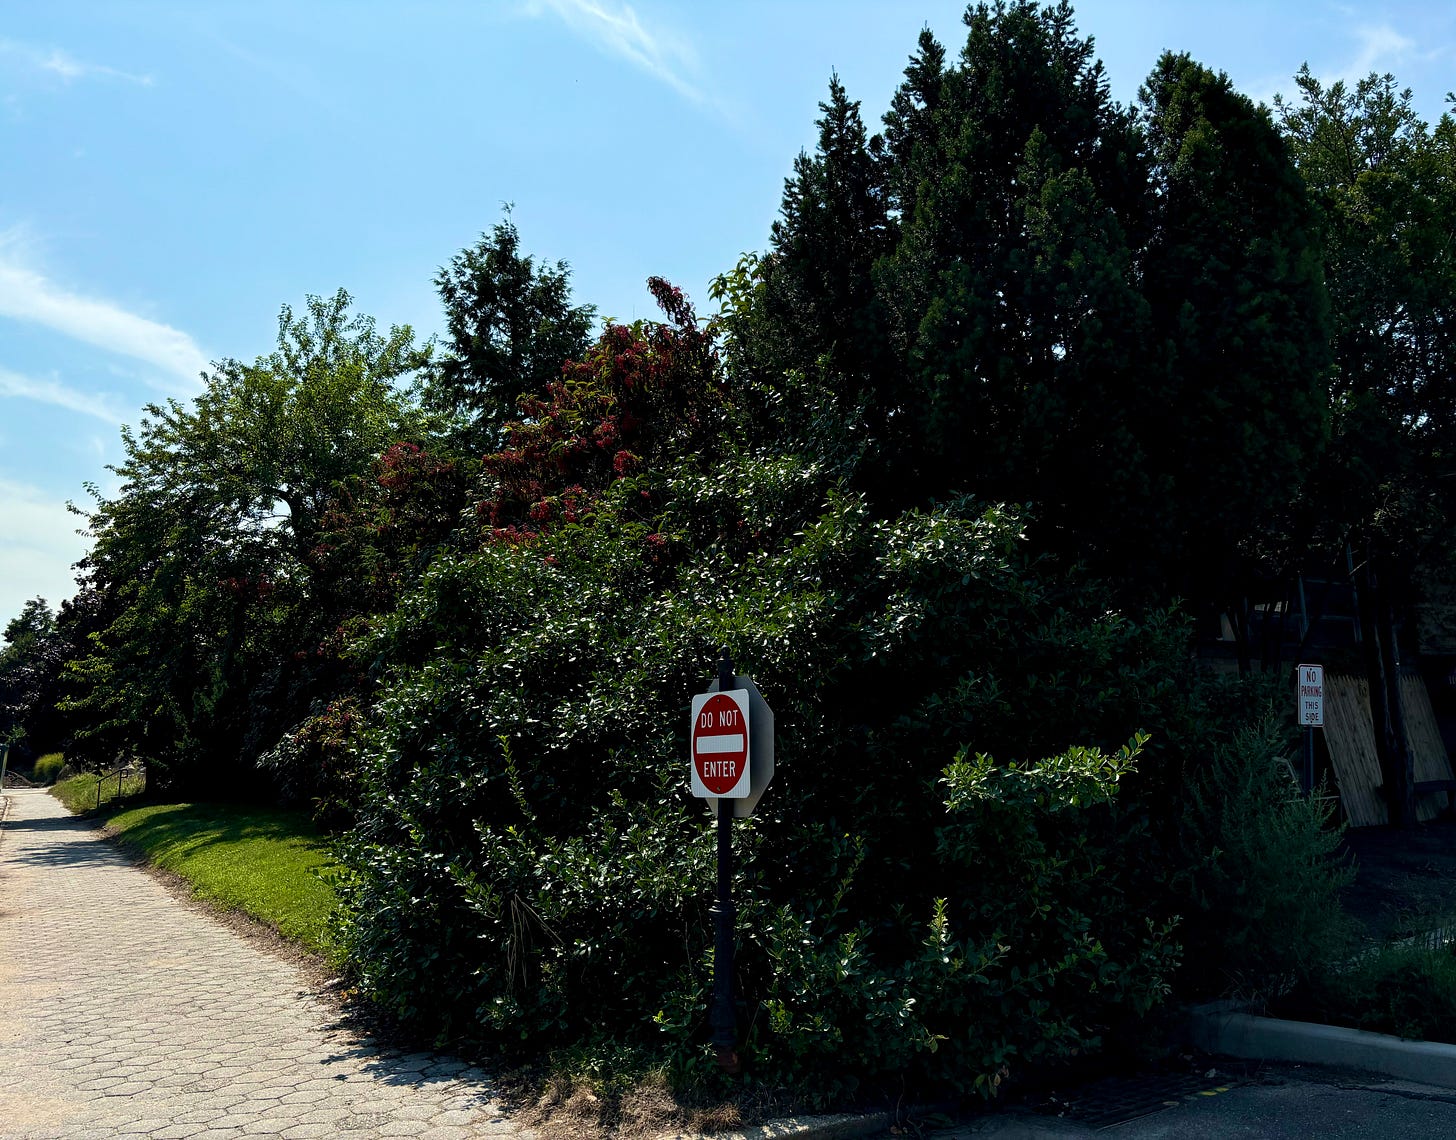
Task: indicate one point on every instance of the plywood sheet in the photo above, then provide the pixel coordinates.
(1350, 736)
(1423, 735)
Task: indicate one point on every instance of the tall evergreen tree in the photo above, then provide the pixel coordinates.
(1236, 412)
(510, 326)
(834, 225)
(1116, 318)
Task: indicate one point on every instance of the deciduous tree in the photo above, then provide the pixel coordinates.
(206, 557)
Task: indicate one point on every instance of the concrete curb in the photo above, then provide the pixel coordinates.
(841, 1127)
(1224, 1028)
(1013, 1124)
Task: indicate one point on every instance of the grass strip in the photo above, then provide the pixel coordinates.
(84, 792)
(272, 865)
(1408, 990)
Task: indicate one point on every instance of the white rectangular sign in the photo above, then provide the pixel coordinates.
(1311, 696)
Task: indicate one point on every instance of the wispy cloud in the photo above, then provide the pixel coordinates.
(53, 61)
(38, 546)
(13, 384)
(289, 74)
(1380, 48)
(615, 28)
(26, 295)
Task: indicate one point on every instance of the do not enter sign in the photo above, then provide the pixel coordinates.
(720, 744)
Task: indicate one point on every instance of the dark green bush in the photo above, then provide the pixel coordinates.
(1262, 868)
(529, 870)
(1043, 945)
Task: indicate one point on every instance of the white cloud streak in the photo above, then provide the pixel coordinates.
(26, 295)
(67, 67)
(615, 29)
(13, 384)
(1380, 47)
(38, 546)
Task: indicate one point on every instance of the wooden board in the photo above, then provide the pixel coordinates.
(1424, 737)
(1350, 736)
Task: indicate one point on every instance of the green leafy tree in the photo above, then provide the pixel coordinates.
(30, 669)
(641, 392)
(1385, 185)
(380, 533)
(206, 559)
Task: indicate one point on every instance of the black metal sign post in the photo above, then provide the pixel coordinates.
(722, 1017)
(731, 763)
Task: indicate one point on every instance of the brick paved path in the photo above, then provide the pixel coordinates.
(124, 1012)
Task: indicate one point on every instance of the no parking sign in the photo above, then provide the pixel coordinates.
(1312, 696)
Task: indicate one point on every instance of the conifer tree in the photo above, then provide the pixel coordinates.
(1116, 317)
(510, 325)
(1237, 408)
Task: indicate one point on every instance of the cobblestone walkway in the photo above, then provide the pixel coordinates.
(124, 1012)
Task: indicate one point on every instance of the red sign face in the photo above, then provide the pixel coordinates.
(720, 744)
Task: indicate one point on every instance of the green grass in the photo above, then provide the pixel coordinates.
(267, 863)
(270, 864)
(79, 792)
(1407, 990)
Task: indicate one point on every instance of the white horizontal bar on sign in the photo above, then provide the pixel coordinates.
(712, 745)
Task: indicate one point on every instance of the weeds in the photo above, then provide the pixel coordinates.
(1407, 989)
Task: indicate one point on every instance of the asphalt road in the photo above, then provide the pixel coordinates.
(1282, 1103)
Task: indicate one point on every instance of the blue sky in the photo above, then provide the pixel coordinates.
(172, 172)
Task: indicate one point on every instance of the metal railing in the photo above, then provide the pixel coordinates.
(121, 773)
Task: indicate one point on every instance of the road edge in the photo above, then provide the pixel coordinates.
(1227, 1029)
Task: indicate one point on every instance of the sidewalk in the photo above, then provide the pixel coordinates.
(124, 1012)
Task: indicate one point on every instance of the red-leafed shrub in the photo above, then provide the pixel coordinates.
(642, 393)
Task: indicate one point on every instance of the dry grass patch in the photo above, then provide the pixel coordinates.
(578, 1108)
